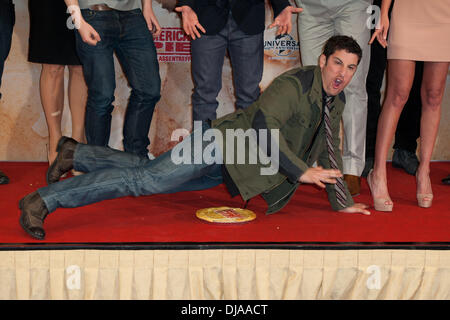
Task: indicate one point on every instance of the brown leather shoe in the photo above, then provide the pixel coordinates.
(64, 160)
(353, 184)
(34, 211)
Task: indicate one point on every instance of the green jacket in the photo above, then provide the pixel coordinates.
(292, 104)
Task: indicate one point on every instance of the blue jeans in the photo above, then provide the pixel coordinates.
(125, 33)
(247, 59)
(7, 19)
(112, 174)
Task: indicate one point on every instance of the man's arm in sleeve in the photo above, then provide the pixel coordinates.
(277, 104)
(189, 3)
(278, 6)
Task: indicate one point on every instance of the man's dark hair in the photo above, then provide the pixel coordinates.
(342, 43)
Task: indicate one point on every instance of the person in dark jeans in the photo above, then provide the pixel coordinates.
(236, 26)
(7, 20)
(124, 28)
(408, 129)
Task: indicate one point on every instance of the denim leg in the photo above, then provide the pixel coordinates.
(209, 180)
(137, 55)
(7, 19)
(88, 158)
(161, 175)
(208, 53)
(247, 60)
(98, 69)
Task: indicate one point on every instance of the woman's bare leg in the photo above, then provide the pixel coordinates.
(400, 79)
(52, 99)
(77, 102)
(432, 91)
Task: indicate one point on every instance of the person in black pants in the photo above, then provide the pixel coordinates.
(7, 19)
(408, 129)
(236, 26)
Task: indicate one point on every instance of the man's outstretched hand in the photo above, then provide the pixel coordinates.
(191, 25)
(284, 20)
(357, 208)
(319, 176)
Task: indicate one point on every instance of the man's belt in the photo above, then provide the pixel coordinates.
(100, 7)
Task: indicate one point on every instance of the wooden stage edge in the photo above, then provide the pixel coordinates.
(228, 246)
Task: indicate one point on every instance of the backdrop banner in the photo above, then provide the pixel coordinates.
(23, 130)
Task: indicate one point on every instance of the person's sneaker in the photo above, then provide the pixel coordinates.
(3, 178)
(405, 160)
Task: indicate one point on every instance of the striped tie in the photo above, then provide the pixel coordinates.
(339, 186)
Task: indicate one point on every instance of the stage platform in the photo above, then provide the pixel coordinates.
(155, 248)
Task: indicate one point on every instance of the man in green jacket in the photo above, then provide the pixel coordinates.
(267, 149)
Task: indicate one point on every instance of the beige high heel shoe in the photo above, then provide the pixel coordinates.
(424, 200)
(379, 203)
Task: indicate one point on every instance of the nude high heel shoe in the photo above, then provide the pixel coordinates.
(379, 203)
(424, 200)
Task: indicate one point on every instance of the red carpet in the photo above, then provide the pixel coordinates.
(171, 218)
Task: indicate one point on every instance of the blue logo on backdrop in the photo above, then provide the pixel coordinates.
(282, 46)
